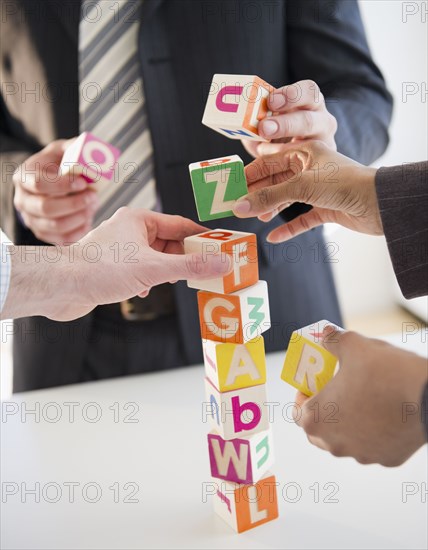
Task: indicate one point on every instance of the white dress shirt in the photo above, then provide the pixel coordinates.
(4, 268)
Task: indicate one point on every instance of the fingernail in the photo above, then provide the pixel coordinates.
(269, 127)
(221, 263)
(242, 206)
(276, 101)
(78, 184)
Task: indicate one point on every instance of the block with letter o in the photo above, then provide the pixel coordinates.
(92, 158)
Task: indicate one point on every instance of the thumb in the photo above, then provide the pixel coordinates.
(194, 266)
(333, 340)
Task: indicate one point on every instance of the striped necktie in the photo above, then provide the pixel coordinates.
(112, 104)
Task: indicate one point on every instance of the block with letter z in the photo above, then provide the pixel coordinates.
(217, 184)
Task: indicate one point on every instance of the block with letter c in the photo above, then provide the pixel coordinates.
(239, 246)
(92, 158)
(235, 105)
(235, 318)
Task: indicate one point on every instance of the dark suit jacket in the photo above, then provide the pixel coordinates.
(182, 44)
(402, 193)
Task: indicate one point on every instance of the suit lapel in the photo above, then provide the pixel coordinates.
(148, 9)
(68, 14)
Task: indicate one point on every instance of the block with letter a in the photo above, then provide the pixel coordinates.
(236, 413)
(92, 158)
(242, 460)
(236, 103)
(240, 247)
(217, 184)
(246, 506)
(234, 366)
(308, 366)
(235, 318)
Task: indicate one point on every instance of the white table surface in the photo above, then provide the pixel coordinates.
(163, 455)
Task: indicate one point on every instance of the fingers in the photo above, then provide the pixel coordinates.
(166, 226)
(299, 225)
(302, 94)
(40, 173)
(267, 199)
(303, 124)
(54, 207)
(340, 342)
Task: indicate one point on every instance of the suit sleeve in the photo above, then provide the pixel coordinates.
(402, 193)
(326, 43)
(13, 152)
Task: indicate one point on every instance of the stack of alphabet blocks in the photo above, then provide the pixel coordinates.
(234, 312)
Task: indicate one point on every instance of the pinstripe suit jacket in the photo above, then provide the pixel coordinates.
(182, 44)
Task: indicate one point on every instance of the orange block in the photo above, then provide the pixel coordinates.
(244, 507)
(235, 318)
(239, 246)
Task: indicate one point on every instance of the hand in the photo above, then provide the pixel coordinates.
(339, 189)
(57, 208)
(299, 113)
(137, 250)
(377, 394)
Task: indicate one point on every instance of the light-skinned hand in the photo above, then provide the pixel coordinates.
(125, 256)
(58, 208)
(299, 113)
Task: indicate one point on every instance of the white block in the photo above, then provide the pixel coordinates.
(236, 413)
(236, 104)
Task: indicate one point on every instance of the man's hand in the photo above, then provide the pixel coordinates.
(57, 208)
(299, 113)
(124, 257)
(339, 189)
(377, 398)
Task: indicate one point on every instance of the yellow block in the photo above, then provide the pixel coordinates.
(235, 366)
(307, 366)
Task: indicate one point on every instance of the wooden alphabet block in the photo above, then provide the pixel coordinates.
(240, 247)
(236, 104)
(95, 160)
(246, 506)
(236, 413)
(235, 366)
(235, 318)
(217, 184)
(243, 460)
(308, 366)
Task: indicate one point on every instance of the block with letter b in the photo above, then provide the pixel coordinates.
(236, 413)
(235, 318)
(246, 506)
(217, 184)
(308, 366)
(242, 460)
(236, 103)
(234, 366)
(92, 158)
(242, 249)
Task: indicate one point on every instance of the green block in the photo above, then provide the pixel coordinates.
(217, 186)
